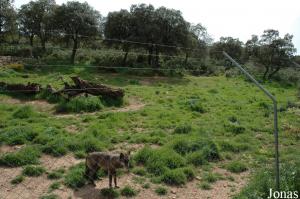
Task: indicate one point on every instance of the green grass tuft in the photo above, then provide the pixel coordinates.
(236, 167)
(161, 191)
(24, 112)
(109, 193)
(31, 170)
(80, 104)
(128, 191)
(75, 176)
(174, 177)
(18, 179)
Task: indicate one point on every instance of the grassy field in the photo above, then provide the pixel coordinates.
(186, 133)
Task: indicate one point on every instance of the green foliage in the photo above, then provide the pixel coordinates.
(226, 145)
(196, 158)
(24, 112)
(197, 106)
(161, 191)
(261, 183)
(56, 174)
(18, 135)
(31, 170)
(25, 156)
(205, 186)
(183, 129)
(56, 147)
(234, 128)
(236, 167)
(211, 177)
(139, 171)
(109, 193)
(18, 179)
(174, 177)
(80, 104)
(50, 196)
(128, 191)
(54, 185)
(189, 173)
(75, 176)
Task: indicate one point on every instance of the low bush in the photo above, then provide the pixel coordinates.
(109, 193)
(80, 104)
(261, 183)
(236, 167)
(174, 177)
(234, 128)
(75, 176)
(196, 158)
(31, 170)
(128, 191)
(25, 156)
(23, 112)
(56, 174)
(18, 179)
(183, 129)
(161, 191)
(18, 135)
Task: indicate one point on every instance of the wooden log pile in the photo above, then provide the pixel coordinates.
(79, 87)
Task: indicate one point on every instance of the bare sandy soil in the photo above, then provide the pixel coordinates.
(35, 187)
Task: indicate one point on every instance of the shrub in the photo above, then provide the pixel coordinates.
(50, 196)
(236, 167)
(183, 129)
(23, 112)
(56, 147)
(79, 104)
(205, 186)
(128, 191)
(234, 128)
(18, 179)
(174, 177)
(109, 193)
(56, 174)
(25, 156)
(33, 170)
(196, 158)
(18, 135)
(139, 171)
(261, 183)
(75, 177)
(197, 106)
(161, 191)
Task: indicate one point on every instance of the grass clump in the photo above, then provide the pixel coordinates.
(50, 196)
(18, 179)
(25, 156)
(161, 191)
(261, 183)
(139, 171)
(205, 186)
(235, 128)
(109, 193)
(211, 177)
(75, 177)
(56, 147)
(196, 158)
(56, 174)
(23, 112)
(31, 170)
(236, 167)
(174, 177)
(197, 106)
(128, 191)
(18, 135)
(183, 129)
(54, 186)
(80, 104)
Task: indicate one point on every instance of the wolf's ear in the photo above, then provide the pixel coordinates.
(121, 156)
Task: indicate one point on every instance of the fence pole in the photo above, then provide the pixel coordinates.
(277, 180)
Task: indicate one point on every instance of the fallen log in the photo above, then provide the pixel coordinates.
(85, 87)
(30, 88)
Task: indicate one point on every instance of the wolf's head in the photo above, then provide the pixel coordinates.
(124, 159)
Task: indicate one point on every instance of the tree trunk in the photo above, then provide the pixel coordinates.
(43, 42)
(150, 55)
(156, 57)
(273, 73)
(186, 58)
(266, 72)
(75, 45)
(125, 58)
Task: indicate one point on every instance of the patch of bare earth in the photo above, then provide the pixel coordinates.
(40, 105)
(8, 149)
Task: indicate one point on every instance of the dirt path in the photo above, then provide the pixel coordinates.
(39, 105)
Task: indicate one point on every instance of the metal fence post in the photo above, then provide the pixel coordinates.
(277, 180)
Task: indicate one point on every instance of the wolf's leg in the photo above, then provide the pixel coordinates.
(110, 179)
(115, 180)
